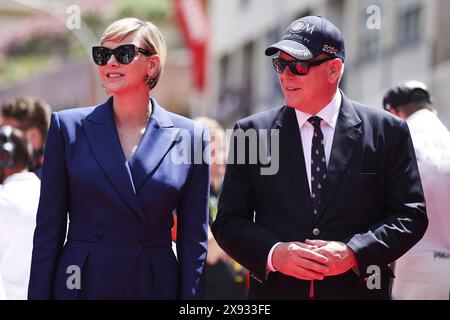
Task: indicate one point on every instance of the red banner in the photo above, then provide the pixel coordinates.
(193, 20)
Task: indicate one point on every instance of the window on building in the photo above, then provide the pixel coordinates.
(441, 46)
(410, 20)
(223, 71)
(370, 27)
(244, 3)
(248, 74)
(274, 94)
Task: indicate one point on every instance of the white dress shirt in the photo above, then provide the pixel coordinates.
(19, 198)
(329, 116)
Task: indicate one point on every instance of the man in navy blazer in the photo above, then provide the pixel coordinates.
(346, 199)
(119, 243)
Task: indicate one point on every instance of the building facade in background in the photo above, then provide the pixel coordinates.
(386, 41)
(70, 79)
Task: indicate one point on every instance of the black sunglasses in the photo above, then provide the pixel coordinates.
(124, 54)
(297, 67)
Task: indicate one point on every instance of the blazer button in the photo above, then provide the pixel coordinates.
(316, 232)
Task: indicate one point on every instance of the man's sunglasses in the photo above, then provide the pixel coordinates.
(297, 67)
(124, 54)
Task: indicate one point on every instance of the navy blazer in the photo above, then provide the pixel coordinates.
(120, 212)
(372, 201)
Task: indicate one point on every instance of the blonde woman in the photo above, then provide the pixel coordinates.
(110, 168)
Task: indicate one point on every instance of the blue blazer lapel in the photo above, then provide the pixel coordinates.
(346, 136)
(291, 152)
(102, 136)
(158, 138)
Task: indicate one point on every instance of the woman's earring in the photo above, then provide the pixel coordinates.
(104, 87)
(149, 82)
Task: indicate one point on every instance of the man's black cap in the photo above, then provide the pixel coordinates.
(309, 37)
(406, 92)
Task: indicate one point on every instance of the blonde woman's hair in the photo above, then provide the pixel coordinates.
(150, 36)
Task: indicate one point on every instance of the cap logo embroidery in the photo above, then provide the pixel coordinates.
(329, 49)
(302, 53)
(300, 26)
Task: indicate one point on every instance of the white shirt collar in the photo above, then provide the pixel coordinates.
(329, 114)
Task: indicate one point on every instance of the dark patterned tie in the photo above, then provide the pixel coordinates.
(318, 163)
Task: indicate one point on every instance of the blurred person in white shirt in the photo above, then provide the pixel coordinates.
(19, 198)
(424, 271)
(2, 289)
